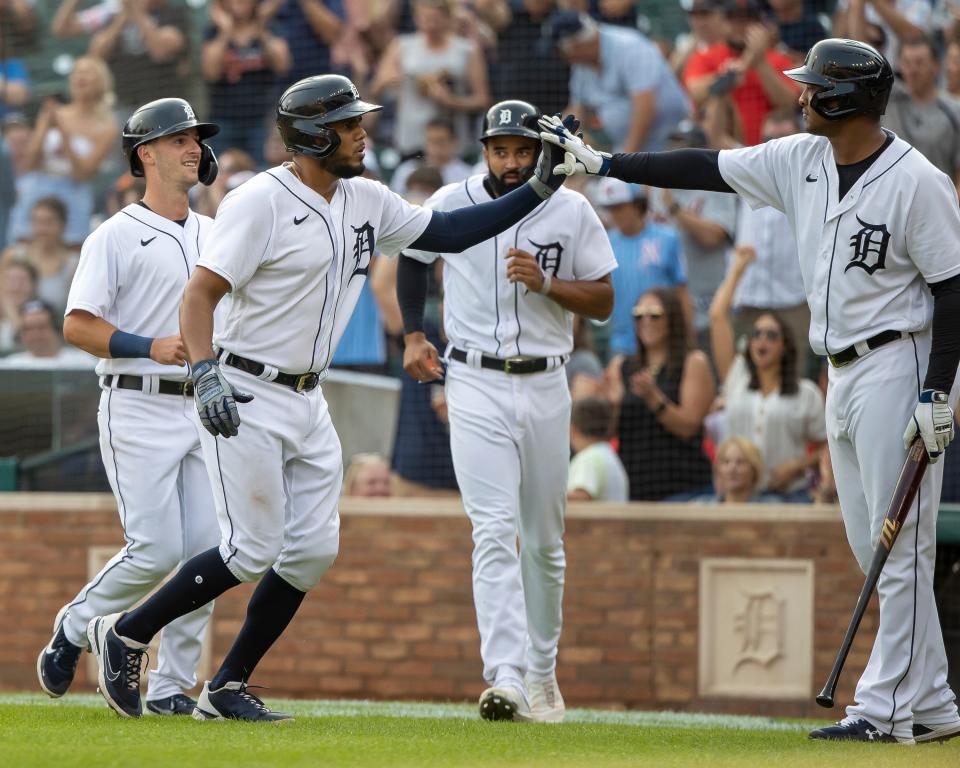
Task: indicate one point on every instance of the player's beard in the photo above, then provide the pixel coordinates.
(341, 167)
(501, 187)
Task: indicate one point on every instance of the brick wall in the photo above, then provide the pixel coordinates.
(394, 617)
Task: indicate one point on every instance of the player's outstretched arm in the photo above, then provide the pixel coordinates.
(676, 169)
(455, 231)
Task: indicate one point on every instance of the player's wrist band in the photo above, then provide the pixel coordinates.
(547, 283)
(124, 344)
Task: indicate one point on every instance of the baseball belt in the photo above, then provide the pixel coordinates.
(515, 365)
(164, 386)
(851, 353)
(298, 382)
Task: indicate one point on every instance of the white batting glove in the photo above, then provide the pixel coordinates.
(933, 420)
(578, 157)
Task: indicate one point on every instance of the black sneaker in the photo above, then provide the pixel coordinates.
(57, 663)
(856, 729)
(119, 662)
(940, 732)
(178, 704)
(234, 702)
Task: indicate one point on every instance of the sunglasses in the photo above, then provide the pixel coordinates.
(767, 333)
(653, 315)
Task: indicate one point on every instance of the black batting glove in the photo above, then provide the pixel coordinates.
(215, 399)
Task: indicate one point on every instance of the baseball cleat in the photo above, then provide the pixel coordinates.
(939, 732)
(178, 704)
(57, 663)
(856, 729)
(506, 703)
(234, 702)
(546, 703)
(119, 661)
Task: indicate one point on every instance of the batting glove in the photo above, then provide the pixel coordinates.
(578, 157)
(216, 400)
(933, 420)
(546, 178)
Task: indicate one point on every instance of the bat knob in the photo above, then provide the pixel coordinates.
(825, 700)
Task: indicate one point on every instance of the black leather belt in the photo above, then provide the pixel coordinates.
(298, 382)
(848, 355)
(164, 386)
(519, 365)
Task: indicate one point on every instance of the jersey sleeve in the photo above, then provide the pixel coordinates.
(400, 222)
(240, 236)
(593, 257)
(97, 280)
(933, 228)
(438, 201)
(754, 173)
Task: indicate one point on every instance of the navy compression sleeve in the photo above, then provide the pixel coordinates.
(455, 231)
(676, 169)
(412, 284)
(945, 348)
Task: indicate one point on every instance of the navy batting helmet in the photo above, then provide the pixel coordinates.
(854, 77)
(165, 117)
(309, 106)
(511, 118)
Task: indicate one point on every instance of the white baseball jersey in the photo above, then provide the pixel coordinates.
(296, 264)
(132, 272)
(866, 260)
(482, 310)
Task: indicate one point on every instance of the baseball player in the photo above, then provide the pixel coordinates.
(878, 233)
(293, 247)
(508, 314)
(122, 307)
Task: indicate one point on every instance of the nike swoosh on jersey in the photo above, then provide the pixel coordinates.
(299, 221)
(147, 242)
(815, 178)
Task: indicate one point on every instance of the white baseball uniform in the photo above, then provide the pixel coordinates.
(132, 272)
(510, 433)
(866, 261)
(296, 265)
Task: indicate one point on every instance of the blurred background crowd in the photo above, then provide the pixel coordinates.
(709, 307)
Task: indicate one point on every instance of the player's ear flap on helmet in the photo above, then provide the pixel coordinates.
(209, 167)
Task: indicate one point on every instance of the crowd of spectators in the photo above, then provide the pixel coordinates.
(700, 386)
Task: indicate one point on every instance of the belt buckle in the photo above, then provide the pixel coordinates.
(302, 380)
(188, 389)
(837, 364)
(510, 362)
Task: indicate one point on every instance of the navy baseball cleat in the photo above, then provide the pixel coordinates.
(178, 704)
(234, 702)
(57, 663)
(939, 732)
(119, 662)
(856, 729)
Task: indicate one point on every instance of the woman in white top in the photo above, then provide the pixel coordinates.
(764, 398)
(69, 144)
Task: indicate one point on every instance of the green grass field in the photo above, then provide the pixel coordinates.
(80, 731)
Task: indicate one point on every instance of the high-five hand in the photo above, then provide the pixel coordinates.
(546, 178)
(578, 157)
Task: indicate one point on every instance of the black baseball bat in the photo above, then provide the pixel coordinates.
(903, 495)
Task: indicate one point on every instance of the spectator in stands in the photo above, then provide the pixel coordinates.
(310, 28)
(892, 21)
(16, 134)
(436, 73)
(232, 162)
(367, 475)
(705, 18)
(746, 65)
(18, 285)
(242, 57)
(8, 189)
(620, 85)
(706, 223)
(596, 472)
(421, 183)
(918, 114)
(14, 85)
(764, 398)
(144, 42)
(772, 282)
(524, 65)
(663, 393)
(585, 374)
(648, 256)
(18, 29)
(439, 151)
(47, 253)
(42, 340)
(67, 147)
(738, 472)
(799, 27)
(951, 74)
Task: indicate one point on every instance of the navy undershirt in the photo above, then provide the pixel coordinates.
(850, 174)
(181, 222)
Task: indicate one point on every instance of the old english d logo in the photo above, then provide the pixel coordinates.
(548, 256)
(363, 244)
(869, 247)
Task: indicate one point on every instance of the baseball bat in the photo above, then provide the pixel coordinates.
(903, 495)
